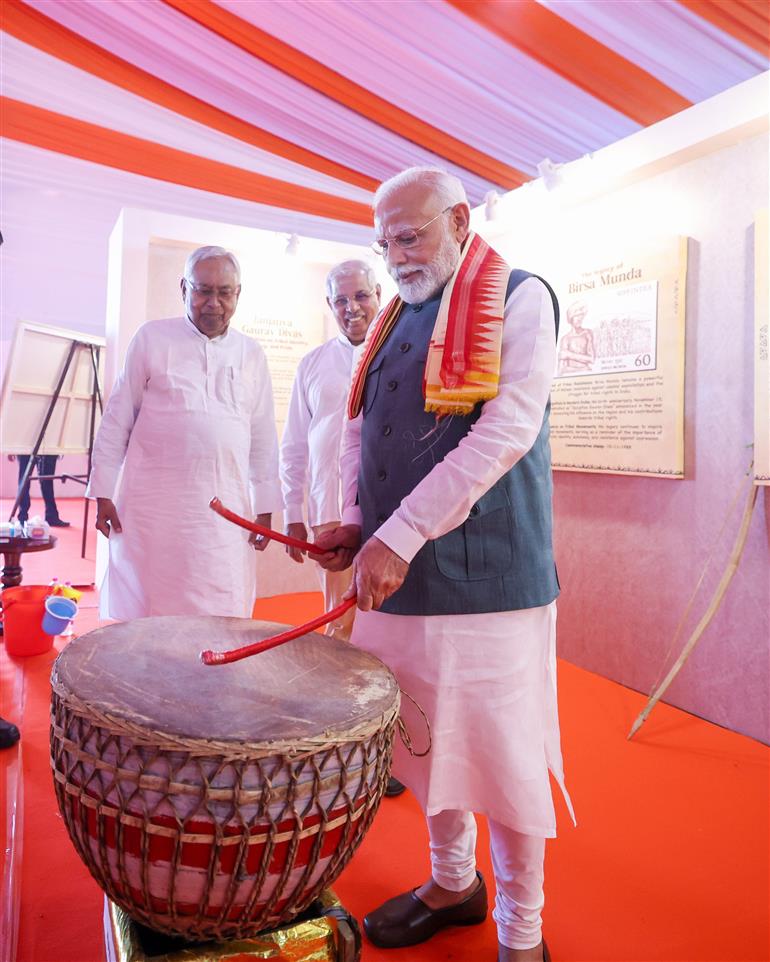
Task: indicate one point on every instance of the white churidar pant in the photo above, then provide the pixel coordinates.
(517, 861)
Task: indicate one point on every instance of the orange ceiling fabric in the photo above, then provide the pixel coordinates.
(574, 55)
(309, 71)
(66, 135)
(746, 20)
(337, 96)
(27, 24)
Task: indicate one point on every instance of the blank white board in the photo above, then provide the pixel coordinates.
(38, 355)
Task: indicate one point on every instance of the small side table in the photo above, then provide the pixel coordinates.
(12, 549)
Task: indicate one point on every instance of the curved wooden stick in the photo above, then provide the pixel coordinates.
(209, 657)
(216, 505)
(727, 576)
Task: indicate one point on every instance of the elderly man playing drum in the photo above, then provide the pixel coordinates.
(190, 417)
(447, 510)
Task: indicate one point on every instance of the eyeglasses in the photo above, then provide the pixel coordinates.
(407, 238)
(203, 291)
(360, 297)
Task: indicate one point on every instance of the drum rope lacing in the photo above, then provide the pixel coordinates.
(403, 732)
(295, 749)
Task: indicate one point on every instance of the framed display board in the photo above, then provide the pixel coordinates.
(618, 395)
(38, 357)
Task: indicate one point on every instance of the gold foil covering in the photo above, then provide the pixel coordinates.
(321, 939)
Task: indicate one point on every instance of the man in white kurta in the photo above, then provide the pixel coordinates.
(486, 681)
(310, 447)
(189, 418)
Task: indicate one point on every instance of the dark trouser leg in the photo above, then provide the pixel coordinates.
(46, 464)
(23, 460)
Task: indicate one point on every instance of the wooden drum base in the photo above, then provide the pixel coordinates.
(325, 932)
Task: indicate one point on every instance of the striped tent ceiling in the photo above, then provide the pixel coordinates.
(307, 104)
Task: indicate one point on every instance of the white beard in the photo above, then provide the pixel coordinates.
(431, 277)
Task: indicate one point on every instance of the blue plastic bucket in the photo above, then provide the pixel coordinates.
(59, 612)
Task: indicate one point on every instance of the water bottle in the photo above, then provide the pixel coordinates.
(11, 529)
(68, 592)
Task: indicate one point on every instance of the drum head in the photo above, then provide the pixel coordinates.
(148, 674)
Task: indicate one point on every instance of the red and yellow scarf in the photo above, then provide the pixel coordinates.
(463, 365)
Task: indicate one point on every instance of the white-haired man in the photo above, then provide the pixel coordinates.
(310, 447)
(190, 417)
(447, 510)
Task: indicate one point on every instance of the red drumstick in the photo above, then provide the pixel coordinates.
(209, 657)
(216, 505)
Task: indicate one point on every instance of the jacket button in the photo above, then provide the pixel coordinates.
(416, 307)
(404, 347)
(474, 511)
(392, 385)
(381, 518)
(387, 430)
(381, 475)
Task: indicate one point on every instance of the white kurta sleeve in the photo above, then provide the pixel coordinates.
(295, 450)
(111, 442)
(350, 456)
(506, 429)
(264, 485)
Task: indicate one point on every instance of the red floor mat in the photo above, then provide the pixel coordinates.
(669, 862)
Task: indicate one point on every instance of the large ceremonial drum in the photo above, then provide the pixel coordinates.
(215, 802)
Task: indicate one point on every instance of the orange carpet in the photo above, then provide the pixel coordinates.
(669, 862)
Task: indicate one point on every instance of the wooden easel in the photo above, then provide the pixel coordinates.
(96, 398)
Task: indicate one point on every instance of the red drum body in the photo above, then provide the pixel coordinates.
(215, 802)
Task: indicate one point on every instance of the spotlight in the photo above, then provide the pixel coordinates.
(491, 200)
(551, 173)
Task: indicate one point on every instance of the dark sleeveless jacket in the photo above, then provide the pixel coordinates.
(501, 557)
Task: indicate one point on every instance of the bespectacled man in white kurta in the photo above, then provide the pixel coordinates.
(310, 447)
(447, 510)
(190, 417)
